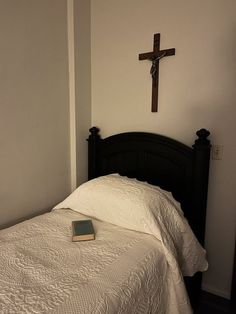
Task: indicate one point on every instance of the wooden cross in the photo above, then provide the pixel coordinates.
(155, 56)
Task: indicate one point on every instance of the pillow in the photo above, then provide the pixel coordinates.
(142, 207)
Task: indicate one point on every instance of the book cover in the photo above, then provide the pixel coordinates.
(82, 230)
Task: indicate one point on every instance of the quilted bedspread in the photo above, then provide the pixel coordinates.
(121, 271)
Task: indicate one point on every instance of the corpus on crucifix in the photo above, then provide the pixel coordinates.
(155, 56)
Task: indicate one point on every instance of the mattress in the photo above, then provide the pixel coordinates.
(121, 271)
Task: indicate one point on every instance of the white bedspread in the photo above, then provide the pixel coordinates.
(122, 271)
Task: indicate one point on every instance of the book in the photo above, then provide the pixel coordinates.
(82, 230)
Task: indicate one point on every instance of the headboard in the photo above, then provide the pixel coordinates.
(161, 161)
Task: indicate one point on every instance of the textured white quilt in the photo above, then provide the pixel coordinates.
(122, 271)
(143, 207)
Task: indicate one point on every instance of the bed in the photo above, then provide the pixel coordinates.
(130, 267)
(164, 162)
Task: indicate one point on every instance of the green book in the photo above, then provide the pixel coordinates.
(82, 230)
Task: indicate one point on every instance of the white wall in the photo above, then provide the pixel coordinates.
(83, 85)
(34, 121)
(196, 89)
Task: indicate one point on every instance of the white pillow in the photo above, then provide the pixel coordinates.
(141, 207)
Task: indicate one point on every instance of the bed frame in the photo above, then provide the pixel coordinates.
(161, 161)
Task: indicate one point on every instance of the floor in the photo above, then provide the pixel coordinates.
(211, 304)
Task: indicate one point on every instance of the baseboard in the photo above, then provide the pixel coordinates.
(217, 292)
(213, 304)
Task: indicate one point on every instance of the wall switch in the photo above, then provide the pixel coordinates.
(217, 152)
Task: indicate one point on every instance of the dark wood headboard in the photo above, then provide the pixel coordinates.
(161, 161)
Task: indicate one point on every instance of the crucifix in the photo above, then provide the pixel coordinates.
(154, 56)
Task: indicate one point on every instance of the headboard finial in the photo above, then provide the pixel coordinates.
(202, 137)
(94, 132)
